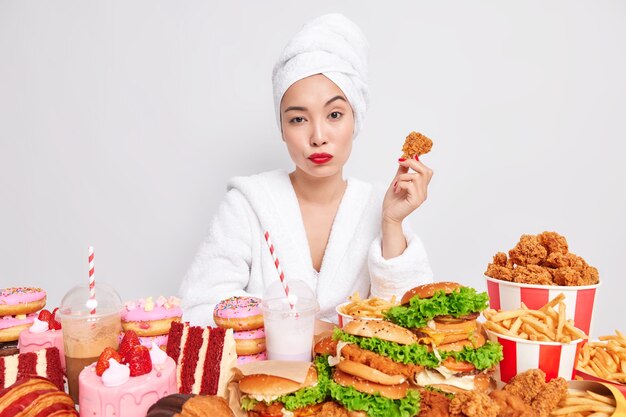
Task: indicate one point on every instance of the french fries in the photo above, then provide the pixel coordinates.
(605, 359)
(548, 324)
(372, 308)
(585, 403)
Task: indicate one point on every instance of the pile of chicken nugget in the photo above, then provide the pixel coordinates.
(526, 395)
(542, 259)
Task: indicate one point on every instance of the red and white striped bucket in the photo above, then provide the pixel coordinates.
(555, 359)
(579, 301)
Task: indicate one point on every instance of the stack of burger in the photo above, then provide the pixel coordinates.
(443, 318)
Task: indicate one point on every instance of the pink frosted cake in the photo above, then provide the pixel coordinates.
(41, 336)
(117, 394)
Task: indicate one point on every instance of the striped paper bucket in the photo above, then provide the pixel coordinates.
(579, 301)
(555, 359)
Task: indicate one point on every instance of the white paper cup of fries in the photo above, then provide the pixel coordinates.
(555, 359)
(505, 295)
(344, 318)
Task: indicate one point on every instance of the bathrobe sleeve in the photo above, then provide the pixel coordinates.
(221, 268)
(395, 276)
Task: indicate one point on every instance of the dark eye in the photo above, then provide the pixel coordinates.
(297, 120)
(335, 115)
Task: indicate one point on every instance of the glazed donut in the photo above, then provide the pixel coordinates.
(250, 342)
(251, 358)
(239, 313)
(21, 300)
(150, 318)
(11, 326)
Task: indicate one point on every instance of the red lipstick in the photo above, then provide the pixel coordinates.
(320, 158)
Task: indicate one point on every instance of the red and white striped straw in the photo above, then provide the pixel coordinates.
(92, 280)
(281, 275)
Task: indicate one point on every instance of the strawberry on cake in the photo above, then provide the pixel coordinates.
(125, 383)
(44, 332)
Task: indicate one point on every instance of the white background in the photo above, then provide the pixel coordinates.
(121, 121)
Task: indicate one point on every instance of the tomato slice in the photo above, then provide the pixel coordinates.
(458, 366)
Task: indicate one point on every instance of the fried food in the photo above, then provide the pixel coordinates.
(532, 274)
(605, 359)
(544, 260)
(416, 144)
(549, 398)
(433, 404)
(368, 307)
(511, 405)
(548, 323)
(379, 362)
(585, 403)
(473, 404)
(527, 385)
(528, 251)
(553, 242)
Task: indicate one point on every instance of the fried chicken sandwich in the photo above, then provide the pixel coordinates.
(443, 317)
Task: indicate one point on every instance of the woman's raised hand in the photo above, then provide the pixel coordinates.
(407, 191)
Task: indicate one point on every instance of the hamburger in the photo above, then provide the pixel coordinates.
(366, 376)
(443, 317)
(273, 396)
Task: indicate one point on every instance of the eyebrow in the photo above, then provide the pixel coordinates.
(300, 108)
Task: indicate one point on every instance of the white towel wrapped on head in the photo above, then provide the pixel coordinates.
(331, 45)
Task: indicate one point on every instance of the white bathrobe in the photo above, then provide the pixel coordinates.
(234, 258)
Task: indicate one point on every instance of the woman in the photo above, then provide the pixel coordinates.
(337, 235)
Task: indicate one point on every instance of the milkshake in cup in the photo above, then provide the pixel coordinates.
(88, 327)
(289, 332)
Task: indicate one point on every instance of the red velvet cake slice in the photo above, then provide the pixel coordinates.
(45, 363)
(206, 358)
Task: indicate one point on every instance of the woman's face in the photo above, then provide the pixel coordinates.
(317, 124)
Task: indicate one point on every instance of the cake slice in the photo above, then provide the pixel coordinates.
(45, 363)
(206, 358)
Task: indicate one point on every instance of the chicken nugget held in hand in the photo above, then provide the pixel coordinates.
(416, 144)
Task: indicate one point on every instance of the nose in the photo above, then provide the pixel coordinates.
(318, 137)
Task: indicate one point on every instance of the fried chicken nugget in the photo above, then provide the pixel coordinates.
(532, 274)
(499, 272)
(527, 385)
(511, 405)
(547, 400)
(567, 276)
(559, 260)
(590, 276)
(416, 144)
(553, 242)
(528, 251)
(473, 404)
(500, 259)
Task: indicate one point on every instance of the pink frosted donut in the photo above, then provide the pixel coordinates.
(11, 326)
(251, 358)
(239, 313)
(148, 317)
(21, 300)
(250, 342)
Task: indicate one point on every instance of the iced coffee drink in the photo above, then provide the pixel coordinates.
(86, 333)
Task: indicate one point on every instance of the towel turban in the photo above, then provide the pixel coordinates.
(331, 45)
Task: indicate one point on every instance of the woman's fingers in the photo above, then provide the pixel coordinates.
(416, 166)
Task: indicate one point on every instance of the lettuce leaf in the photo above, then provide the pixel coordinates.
(311, 395)
(420, 311)
(482, 358)
(248, 403)
(376, 405)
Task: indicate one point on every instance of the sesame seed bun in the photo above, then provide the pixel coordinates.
(428, 290)
(381, 329)
(260, 384)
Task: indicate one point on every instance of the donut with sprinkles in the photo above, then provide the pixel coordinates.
(21, 300)
(239, 313)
